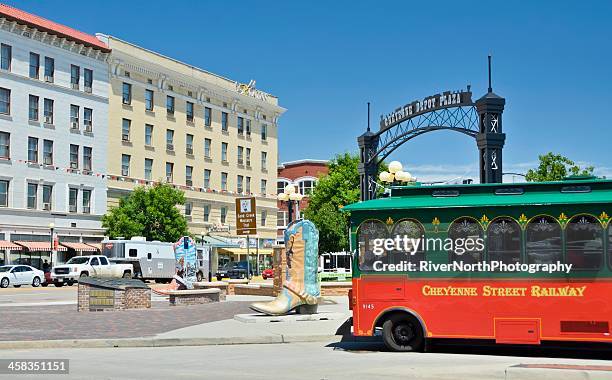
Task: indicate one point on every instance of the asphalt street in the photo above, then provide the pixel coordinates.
(280, 361)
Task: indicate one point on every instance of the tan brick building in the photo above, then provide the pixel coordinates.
(212, 137)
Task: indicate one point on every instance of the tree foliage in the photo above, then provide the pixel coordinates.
(335, 190)
(555, 167)
(150, 212)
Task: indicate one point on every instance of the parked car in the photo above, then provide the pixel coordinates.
(83, 266)
(267, 273)
(234, 270)
(18, 275)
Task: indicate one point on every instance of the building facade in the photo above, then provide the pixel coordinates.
(53, 133)
(303, 174)
(209, 136)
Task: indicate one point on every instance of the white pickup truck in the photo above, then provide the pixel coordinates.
(94, 266)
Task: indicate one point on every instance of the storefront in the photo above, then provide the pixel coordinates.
(35, 253)
(6, 247)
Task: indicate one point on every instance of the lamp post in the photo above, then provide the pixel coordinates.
(52, 241)
(289, 195)
(396, 174)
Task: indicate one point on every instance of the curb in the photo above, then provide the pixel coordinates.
(162, 342)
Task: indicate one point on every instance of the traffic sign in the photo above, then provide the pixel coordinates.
(246, 216)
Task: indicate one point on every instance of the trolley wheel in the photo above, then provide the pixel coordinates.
(403, 333)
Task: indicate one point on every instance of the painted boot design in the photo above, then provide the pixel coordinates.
(301, 287)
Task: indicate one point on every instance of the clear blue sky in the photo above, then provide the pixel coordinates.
(326, 59)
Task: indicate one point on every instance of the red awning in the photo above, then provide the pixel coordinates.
(4, 244)
(39, 246)
(80, 247)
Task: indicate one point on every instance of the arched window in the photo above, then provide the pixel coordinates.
(366, 234)
(411, 233)
(543, 240)
(459, 232)
(306, 186)
(280, 185)
(504, 241)
(584, 242)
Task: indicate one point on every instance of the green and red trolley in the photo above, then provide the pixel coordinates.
(528, 223)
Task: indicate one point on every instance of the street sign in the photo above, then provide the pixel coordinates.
(246, 218)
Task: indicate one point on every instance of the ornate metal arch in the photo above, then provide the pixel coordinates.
(453, 111)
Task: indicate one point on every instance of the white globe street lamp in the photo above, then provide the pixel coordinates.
(289, 195)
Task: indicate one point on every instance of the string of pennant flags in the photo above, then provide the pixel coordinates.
(140, 181)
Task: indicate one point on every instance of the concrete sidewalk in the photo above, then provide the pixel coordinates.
(228, 331)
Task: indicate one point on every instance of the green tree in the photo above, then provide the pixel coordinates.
(335, 190)
(555, 167)
(150, 212)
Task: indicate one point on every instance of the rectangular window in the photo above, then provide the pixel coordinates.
(48, 111)
(6, 56)
(33, 150)
(224, 181)
(74, 156)
(73, 196)
(74, 117)
(224, 152)
(188, 208)
(170, 105)
(5, 101)
(126, 93)
(239, 184)
(33, 108)
(207, 144)
(240, 155)
(264, 217)
(247, 185)
(32, 196)
(240, 125)
(264, 160)
(248, 128)
(148, 169)
(207, 178)
(125, 165)
(5, 145)
(189, 144)
(207, 116)
(88, 79)
(248, 157)
(86, 201)
(87, 158)
(148, 134)
(223, 215)
(34, 65)
(47, 197)
(49, 69)
(264, 132)
(189, 112)
(88, 119)
(206, 212)
(263, 188)
(281, 219)
(189, 175)
(4, 187)
(75, 75)
(48, 152)
(169, 139)
(169, 171)
(149, 100)
(224, 126)
(126, 126)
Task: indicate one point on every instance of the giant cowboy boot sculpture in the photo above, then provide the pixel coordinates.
(301, 287)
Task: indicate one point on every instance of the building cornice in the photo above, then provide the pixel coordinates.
(52, 39)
